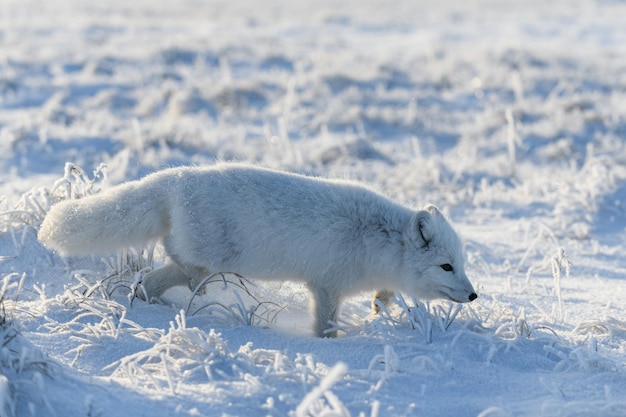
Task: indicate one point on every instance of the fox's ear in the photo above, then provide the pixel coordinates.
(421, 227)
(433, 210)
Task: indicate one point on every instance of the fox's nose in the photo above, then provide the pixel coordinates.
(473, 296)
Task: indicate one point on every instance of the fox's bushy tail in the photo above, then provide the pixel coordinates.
(128, 215)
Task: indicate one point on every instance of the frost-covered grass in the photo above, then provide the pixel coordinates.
(510, 116)
(25, 371)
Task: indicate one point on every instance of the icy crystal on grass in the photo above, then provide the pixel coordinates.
(22, 366)
(182, 354)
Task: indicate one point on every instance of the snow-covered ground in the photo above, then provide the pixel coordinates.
(510, 116)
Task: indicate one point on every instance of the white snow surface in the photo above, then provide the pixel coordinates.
(508, 115)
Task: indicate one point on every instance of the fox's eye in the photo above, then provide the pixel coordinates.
(446, 267)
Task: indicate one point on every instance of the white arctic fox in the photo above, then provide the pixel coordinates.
(339, 237)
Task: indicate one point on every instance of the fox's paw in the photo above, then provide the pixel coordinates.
(382, 297)
(198, 285)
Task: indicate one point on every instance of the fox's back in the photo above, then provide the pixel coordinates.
(273, 221)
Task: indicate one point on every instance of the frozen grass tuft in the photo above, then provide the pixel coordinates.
(560, 262)
(238, 312)
(95, 320)
(321, 401)
(421, 317)
(390, 362)
(32, 207)
(23, 369)
(123, 273)
(183, 354)
(607, 328)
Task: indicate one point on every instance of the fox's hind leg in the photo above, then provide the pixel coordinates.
(196, 275)
(156, 282)
(180, 272)
(383, 297)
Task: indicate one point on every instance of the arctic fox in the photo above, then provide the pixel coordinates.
(337, 236)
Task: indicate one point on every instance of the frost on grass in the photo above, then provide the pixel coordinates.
(24, 370)
(248, 310)
(94, 321)
(184, 354)
(495, 329)
(26, 215)
(423, 318)
(98, 318)
(321, 401)
(186, 358)
(35, 204)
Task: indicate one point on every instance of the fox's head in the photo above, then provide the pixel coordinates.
(434, 261)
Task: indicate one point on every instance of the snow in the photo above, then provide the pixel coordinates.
(510, 116)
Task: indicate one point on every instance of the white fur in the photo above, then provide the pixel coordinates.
(337, 236)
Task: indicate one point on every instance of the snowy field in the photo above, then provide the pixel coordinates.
(510, 116)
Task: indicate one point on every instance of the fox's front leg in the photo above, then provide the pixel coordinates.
(325, 309)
